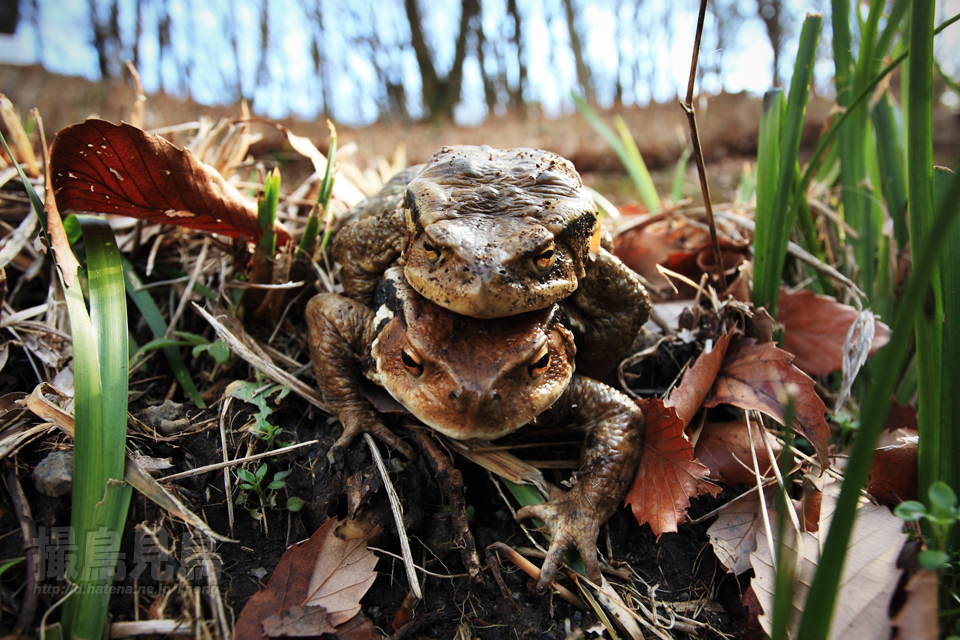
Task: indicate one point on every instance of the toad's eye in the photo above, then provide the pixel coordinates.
(540, 366)
(544, 260)
(412, 363)
(431, 251)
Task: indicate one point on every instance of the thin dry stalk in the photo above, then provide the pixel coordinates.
(398, 517)
(687, 107)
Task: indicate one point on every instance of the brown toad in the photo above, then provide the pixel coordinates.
(490, 233)
(480, 378)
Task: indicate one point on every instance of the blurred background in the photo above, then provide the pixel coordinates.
(457, 62)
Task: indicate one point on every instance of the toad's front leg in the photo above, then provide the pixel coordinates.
(614, 427)
(340, 334)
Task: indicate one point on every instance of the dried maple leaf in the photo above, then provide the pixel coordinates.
(698, 380)
(317, 584)
(724, 447)
(100, 167)
(668, 475)
(815, 328)
(869, 574)
(755, 376)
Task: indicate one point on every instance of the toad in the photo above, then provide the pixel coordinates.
(490, 233)
(480, 378)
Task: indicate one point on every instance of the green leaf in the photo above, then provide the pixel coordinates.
(932, 559)
(261, 472)
(282, 475)
(276, 484)
(158, 326)
(910, 510)
(295, 504)
(782, 216)
(632, 162)
(942, 498)
(267, 213)
(246, 476)
(680, 174)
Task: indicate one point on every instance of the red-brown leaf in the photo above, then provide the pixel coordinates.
(893, 472)
(99, 167)
(698, 380)
(815, 328)
(668, 475)
(755, 376)
(724, 448)
(292, 593)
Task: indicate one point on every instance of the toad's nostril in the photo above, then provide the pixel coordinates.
(496, 396)
(454, 395)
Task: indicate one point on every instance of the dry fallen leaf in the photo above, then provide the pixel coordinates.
(734, 533)
(724, 447)
(869, 574)
(697, 381)
(893, 472)
(918, 618)
(815, 328)
(754, 376)
(668, 475)
(100, 167)
(324, 573)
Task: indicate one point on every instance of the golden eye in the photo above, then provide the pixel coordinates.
(544, 260)
(541, 365)
(431, 251)
(412, 363)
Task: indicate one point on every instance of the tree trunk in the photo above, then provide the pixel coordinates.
(770, 11)
(516, 93)
(583, 71)
(440, 95)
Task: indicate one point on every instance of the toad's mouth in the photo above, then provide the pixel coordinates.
(469, 291)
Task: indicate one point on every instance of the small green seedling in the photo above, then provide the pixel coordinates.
(252, 482)
(217, 349)
(943, 514)
(257, 393)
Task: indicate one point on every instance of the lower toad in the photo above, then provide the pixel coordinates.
(470, 378)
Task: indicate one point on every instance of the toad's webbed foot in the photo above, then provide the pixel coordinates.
(370, 423)
(573, 523)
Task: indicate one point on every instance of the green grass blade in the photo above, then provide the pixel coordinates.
(637, 168)
(766, 275)
(897, 11)
(267, 213)
(782, 216)
(889, 362)
(100, 497)
(949, 443)
(890, 155)
(634, 170)
(918, 116)
(312, 229)
(158, 326)
(680, 174)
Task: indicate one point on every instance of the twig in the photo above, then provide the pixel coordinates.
(533, 571)
(28, 607)
(232, 463)
(398, 517)
(698, 152)
(228, 491)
